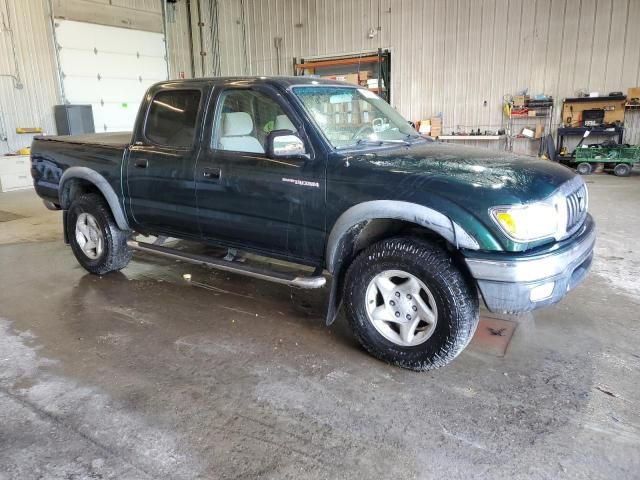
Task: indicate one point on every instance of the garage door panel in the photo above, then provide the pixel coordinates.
(129, 41)
(81, 89)
(78, 35)
(114, 117)
(110, 68)
(78, 62)
(121, 90)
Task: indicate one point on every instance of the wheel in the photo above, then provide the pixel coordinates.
(97, 242)
(409, 305)
(584, 168)
(622, 170)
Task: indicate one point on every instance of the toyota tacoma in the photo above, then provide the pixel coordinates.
(327, 177)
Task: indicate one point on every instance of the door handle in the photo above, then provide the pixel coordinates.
(213, 173)
(141, 163)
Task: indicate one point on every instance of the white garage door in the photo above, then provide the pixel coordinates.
(109, 68)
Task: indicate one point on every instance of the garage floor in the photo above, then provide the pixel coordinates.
(143, 375)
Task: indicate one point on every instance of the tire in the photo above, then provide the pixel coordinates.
(452, 293)
(584, 168)
(91, 214)
(622, 170)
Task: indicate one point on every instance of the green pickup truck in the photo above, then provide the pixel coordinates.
(410, 232)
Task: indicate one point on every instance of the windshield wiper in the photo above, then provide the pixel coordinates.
(367, 141)
(414, 136)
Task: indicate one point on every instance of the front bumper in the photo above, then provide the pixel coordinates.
(514, 283)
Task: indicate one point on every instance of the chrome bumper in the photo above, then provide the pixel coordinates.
(512, 283)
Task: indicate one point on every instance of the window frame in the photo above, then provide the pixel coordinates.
(197, 125)
(215, 124)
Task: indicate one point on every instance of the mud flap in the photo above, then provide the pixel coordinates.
(335, 302)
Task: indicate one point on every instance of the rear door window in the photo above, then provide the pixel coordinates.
(172, 117)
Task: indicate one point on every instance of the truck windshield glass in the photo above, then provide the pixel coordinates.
(351, 116)
(172, 118)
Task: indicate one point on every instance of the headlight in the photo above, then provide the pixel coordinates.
(526, 223)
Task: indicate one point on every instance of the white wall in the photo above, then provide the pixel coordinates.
(448, 56)
(32, 106)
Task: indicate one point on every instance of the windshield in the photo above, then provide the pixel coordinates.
(350, 116)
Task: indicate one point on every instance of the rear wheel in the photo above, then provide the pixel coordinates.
(584, 168)
(97, 242)
(622, 170)
(408, 304)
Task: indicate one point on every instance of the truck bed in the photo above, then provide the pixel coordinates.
(52, 156)
(117, 140)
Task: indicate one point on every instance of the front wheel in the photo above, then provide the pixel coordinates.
(409, 304)
(97, 242)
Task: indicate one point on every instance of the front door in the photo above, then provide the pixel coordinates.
(250, 200)
(159, 170)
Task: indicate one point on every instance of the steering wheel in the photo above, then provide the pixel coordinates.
(360, 131)
(374, 127)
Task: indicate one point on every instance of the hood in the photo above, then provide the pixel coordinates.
(459, 181)
(469, 174)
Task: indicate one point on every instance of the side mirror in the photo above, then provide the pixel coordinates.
(285, 144)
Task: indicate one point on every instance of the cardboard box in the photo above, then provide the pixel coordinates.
(425, 126)
(539, 131)
(349, 78)
(436, 126)
(633, 92)
(528, 132)
(520, 100)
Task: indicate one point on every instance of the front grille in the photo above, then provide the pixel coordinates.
(576, 208)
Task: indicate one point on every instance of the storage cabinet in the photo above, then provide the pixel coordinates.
(15, 173)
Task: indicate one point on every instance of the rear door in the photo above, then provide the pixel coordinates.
(159, 169)
(247, 199)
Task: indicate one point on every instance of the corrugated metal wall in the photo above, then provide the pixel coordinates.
(32, 105)
(448, 56)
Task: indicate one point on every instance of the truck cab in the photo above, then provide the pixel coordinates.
(409, 232)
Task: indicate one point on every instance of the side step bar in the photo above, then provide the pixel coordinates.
(251, 271)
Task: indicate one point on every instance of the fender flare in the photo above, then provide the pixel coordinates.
(395, 210)
(347, 227)
(101, 184)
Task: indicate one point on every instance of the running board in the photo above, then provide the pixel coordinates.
(242, 269)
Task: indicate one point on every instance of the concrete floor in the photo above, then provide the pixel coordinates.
(142, 375)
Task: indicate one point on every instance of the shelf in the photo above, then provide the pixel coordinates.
(339, 61)
(565, 131)
(472, 137)
(528, 116)
(594, 99)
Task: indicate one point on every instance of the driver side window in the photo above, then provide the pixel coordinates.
(245, 119)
